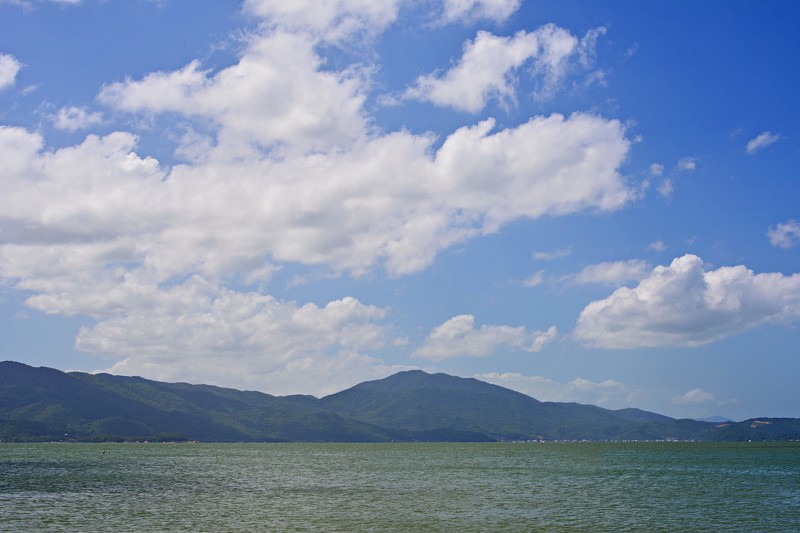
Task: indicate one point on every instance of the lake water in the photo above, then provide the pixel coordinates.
(400, 487)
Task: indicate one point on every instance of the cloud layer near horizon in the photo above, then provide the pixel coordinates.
(581, 390)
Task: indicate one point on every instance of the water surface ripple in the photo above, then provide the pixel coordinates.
(401, 487)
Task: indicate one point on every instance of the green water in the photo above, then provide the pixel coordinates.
(400, 487)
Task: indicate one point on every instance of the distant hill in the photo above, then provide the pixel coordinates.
(417, 401)
(46, 404)
(43, 404)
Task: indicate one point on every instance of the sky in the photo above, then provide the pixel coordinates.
(595, 202)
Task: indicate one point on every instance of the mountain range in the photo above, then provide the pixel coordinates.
(44, 404)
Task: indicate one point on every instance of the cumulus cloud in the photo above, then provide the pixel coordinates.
(459, 337)
(608, 393)
(694, 397)
(489, 64)
(512, 156)
(75, 118)
(762, 141)
(472, 10)
(185, 331)
(785, 234)
(284, 211)
(684, 305)
(95, 191)
(657, 246)
(331, 20)
(612, 272)
(276, 96)
(281, 165)
(9, 67)
(310, 170)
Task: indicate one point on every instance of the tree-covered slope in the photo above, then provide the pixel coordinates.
(45, 404)
(415, 400)
(39, 404)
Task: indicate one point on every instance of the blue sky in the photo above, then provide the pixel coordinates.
(583, 201)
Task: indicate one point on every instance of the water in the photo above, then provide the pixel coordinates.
(400, 487)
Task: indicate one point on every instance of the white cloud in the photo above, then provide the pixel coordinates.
(337, 20)
(762, 141)
(311, 124)
(9, 67)
(28, 4)
(75, 118)
(657, 246)
(609, 393)
(587, 52)
(694, 397)
(473, 10)
(612, 272)
(550, 256)
(459, 337)
(687, 164)
(275, 97)
(785, 234)
(182, 223)
(657, 169)
(489, 64)
(96, 191)
(185, 331)
(331, 20)
(684, 305)
(282, 166)
(513, 156)
(534, 279)
(666, 188)
(18, 147)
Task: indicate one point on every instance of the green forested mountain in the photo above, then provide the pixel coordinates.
(47, 404)
(85, 406)
(418, 401)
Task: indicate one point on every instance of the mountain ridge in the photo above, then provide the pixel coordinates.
(40, 404)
